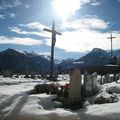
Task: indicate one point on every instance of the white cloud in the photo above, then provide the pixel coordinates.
(12, 15)
(35, 28)
(27, 6)
(85, 34)
(77, 36)
(89, 22)
(19, 41)
(14, 3)
(2, 16)
(96, 2)
(34, 25)
(82, 2)
(17, 3)
(65, 8)
(77, 41)
(23, 32)
(18, 30)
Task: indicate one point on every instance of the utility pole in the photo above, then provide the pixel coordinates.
(111, 38)
(54, 33)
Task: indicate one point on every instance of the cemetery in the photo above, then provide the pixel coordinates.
(72, 95)
(67, 70)
(75, 93)
(56, 98)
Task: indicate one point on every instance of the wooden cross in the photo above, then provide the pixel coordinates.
(54, 32)
(111, 38)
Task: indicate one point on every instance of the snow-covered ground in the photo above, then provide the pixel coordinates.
(17, 104)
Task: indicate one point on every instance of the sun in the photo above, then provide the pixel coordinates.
(65, 8)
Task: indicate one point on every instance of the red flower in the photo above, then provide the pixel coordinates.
(67, 85)
(62, 87)
(50, 86)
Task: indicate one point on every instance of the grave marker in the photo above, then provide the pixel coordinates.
(88, 83)
(75, 86)
(94, 76)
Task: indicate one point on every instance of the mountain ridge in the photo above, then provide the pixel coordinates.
(96, 57)
(16, 61)
(22, 61)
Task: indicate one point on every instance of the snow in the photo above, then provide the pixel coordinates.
(17, 104)
(38, 107)
(78, 62)
(111, 65)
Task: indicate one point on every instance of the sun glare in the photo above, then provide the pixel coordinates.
(65, 8)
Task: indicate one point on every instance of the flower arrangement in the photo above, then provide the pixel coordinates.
(60, 90)
(52, 88)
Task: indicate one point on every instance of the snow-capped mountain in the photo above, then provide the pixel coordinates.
(66, 64)
(97, 57)
(16, 61)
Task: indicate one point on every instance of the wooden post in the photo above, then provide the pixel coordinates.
(111, 38)
(54, 32)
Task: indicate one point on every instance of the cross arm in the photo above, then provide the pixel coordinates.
(58, 33)
(47, 30)
(52, 31)
(110, 37)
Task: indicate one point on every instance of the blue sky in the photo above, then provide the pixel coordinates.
(84, 24)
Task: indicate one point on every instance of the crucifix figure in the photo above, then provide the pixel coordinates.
(54, 33)
(111, 38)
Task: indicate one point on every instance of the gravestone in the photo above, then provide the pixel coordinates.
(94, 77)
(118, 76)
(104, 79)
(88, 83)
(107, 78)
(75, 86)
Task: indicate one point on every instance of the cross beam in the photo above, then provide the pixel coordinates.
(54, 33)
(111, 38)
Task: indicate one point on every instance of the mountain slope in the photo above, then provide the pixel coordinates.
(23, 62)
(96, 57)
(117, 53)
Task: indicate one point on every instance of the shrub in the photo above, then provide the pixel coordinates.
(106, 98)
(40, 88)
(113, 89)
(27, 76)
(60, 90)
(7, 73)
